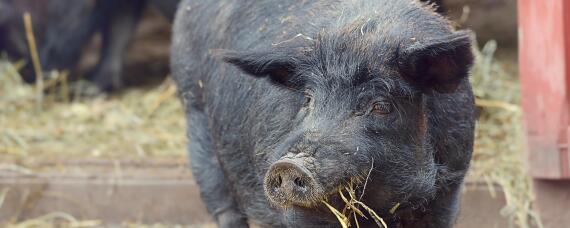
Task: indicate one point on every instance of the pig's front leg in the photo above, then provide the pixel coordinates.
(206, 169)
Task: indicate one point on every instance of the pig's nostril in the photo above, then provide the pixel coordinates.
(299, 182)
(278, 181)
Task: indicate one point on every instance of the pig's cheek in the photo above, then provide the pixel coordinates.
(329, 173)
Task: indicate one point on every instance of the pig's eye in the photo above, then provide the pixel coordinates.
(382, 107)
(308, 98)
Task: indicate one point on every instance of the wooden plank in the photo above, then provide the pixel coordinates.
(553, 202)
(162, 194)
(481, 208)
(113, 201)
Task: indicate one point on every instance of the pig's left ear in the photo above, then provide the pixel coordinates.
(440, 64)
(275, 65)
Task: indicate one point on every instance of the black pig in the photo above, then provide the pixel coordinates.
(116, 21)
(289, 101)
(63, 28)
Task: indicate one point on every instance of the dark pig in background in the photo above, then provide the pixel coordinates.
(63, 28)
(117, 21)
(289, 101)
(59, 17)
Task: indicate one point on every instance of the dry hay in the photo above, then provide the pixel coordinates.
(134, 124)
(352, 209)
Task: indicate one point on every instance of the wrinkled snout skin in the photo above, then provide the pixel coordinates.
(288, 102)
(291, 181)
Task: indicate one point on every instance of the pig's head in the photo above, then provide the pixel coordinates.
(360, 112)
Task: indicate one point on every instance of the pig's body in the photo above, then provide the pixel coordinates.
(240, 126)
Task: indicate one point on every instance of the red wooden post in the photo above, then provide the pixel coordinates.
(544, 61)
(544, 75)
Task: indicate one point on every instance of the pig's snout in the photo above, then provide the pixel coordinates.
(288, 182)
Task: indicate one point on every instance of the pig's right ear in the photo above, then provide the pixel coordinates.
(275, 65)
(439, 64)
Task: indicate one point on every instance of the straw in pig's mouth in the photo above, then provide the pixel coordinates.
(353, 208)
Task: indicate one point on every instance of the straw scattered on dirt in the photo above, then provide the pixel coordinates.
(135, 124)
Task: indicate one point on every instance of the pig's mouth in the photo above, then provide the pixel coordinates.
(291, 186)
(291, 182)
